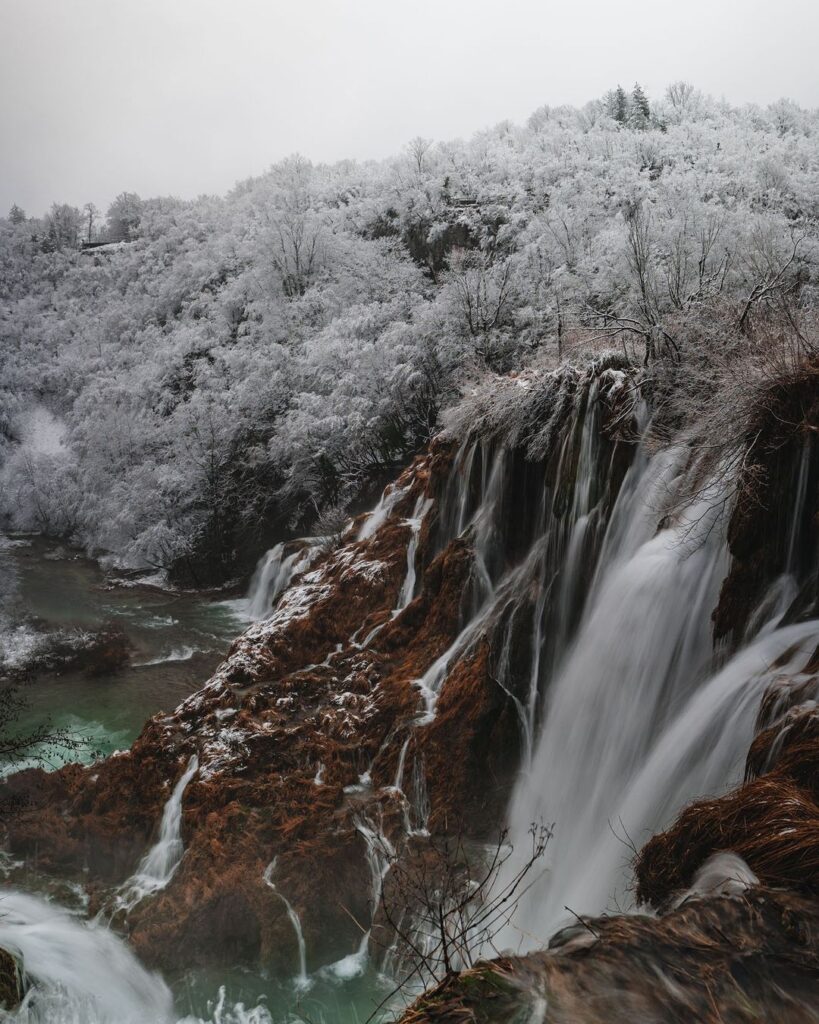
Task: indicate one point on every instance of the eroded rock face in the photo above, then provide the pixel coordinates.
(285, 730)
(295, 714)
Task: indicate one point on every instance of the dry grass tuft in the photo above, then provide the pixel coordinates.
(771, 822)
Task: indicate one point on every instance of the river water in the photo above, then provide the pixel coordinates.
(176, 638)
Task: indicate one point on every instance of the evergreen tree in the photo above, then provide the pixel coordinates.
(16, 215)
(620, 105)
(640, 109)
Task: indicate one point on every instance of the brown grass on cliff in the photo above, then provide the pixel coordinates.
(771, 823)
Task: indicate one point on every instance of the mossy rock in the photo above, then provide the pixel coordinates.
(11, 981)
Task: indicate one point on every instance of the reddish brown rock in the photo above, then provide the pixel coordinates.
(471, 749)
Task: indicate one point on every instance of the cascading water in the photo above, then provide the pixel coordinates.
(697, 751)
(273, 575)
(302, 981)
(380, 852)
(159, 864)
(526, 550)
(599, 629)
(374, 520)
(371, 524)
(601, 632)
(76, 973)
(415, 522)
(637, 723)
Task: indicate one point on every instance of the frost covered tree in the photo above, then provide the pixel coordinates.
(418, 149)
(90, 217)
(618, 105)
(62, 228)
(123, 216)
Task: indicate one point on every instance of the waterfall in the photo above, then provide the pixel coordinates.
(380, 853)
(415, 522)
(374, 520)
(407, 591)
(517, 553)
(700, 751)
(161, 861)
(302, 981)
(272, 576)
(76, 972)
(414, 804)
(498, 599)
(640, 720)
(399, 771)
(595, 588)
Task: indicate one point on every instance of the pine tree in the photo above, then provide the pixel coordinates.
(16, 215)
(640, 109)
(620, 105)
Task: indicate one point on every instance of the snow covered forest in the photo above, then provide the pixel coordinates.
(186, 381)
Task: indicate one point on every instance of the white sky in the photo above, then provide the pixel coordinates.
(187, 96)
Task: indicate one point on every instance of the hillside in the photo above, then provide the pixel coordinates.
(236, 370)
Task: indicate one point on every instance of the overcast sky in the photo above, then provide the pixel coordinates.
(187, 96)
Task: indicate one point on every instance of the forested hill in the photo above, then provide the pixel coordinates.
(227, 370)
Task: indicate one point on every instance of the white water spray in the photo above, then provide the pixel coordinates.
(76, 973)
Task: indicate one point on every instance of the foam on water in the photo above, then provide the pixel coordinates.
(77, 973)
